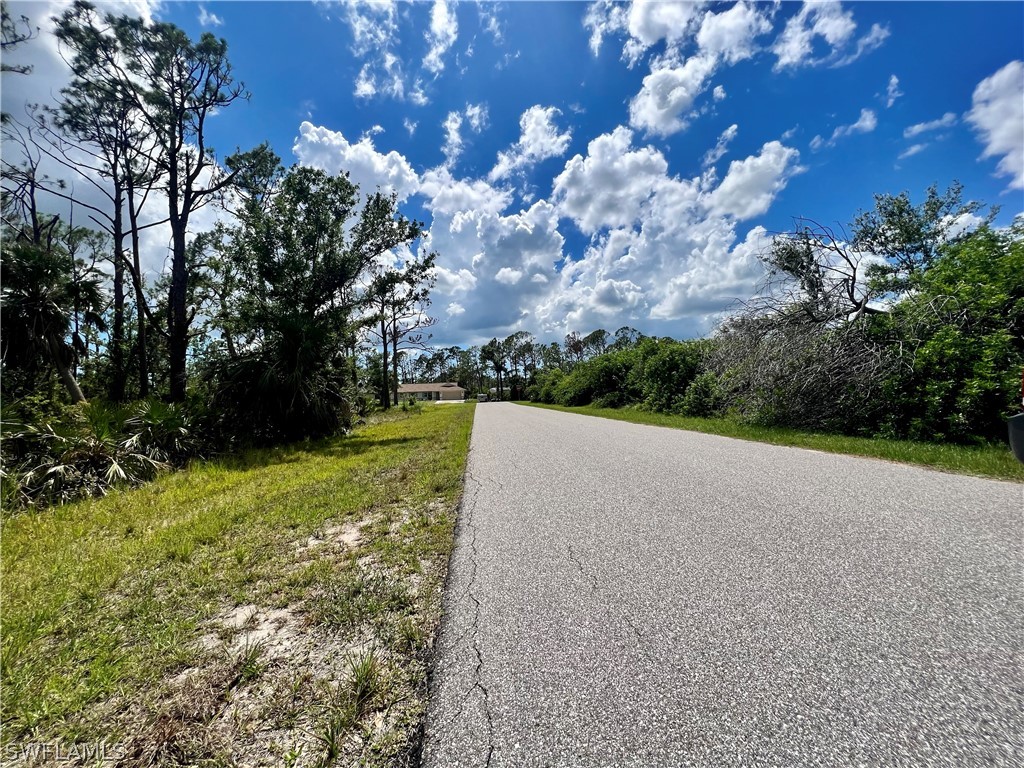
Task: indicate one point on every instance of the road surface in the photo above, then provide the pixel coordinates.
(626, 595)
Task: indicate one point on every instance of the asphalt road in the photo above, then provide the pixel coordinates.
(625, 595)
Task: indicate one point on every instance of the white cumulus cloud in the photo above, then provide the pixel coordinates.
(731, 34)
(609, 186)
(751, 185)
(330, 151)
(444, 29)
(539, 139)
(508, 276)
(997, 116)
(669, 91)
(836, 29)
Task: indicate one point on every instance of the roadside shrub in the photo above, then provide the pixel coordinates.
(703, 397)
(543, 389)
(667, 373)
(603, 376)
(90, 448)
(964, 330)
(84, 454)
(279, 393)
(164, 431)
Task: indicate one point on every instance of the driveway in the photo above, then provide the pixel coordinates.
(626, 595)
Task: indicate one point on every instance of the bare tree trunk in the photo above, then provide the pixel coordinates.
(394, 363)
(67, 377)
(140, 298)
(177, 318)
(115, 387)
(385, 397)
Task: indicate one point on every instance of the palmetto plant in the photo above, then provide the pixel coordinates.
(163, 431)
(43, 289)
(94, 448)
(83, 456)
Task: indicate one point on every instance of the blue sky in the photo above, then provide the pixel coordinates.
(598, 165)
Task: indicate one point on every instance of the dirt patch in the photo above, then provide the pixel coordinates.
(347, 536)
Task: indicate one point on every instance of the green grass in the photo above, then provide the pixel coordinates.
(984, 461)
(107, 602)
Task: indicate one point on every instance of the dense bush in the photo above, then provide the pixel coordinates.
(282, 391)
(963, 332)
(667, 371)
(546, 381)
(704, 396)
(652, 373)
(90, 448)
(604, 378)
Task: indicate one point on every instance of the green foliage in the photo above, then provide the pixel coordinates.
(47, 298)
(968, 322)
(604, 378)
(411, 406)
(91, 448)
(927, 346)
(667, 372)
(295, 269)
(704, 396)
(909, 237)
(652, 372)
(547, 381)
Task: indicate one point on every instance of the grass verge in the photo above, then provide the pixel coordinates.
(984, 461)
(273, 608)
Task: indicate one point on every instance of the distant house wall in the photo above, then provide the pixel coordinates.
(440, 391)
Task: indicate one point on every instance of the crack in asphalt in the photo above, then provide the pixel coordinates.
(595, 587)
(469, 510)
(583, 571)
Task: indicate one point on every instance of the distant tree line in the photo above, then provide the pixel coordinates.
(910, 325)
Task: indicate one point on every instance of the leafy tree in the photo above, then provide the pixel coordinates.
(626, 336)
(964, 327)
(388, 295)
(703, 397)
(42, 295)
(908, 237)
(494, 353)
(177, 85)
(818, 275)
(406, 310)
(551, 356)
(596, 342)
(99, 126)
(574, 349)
(668, 368)
(520, 351)
(296, 270)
